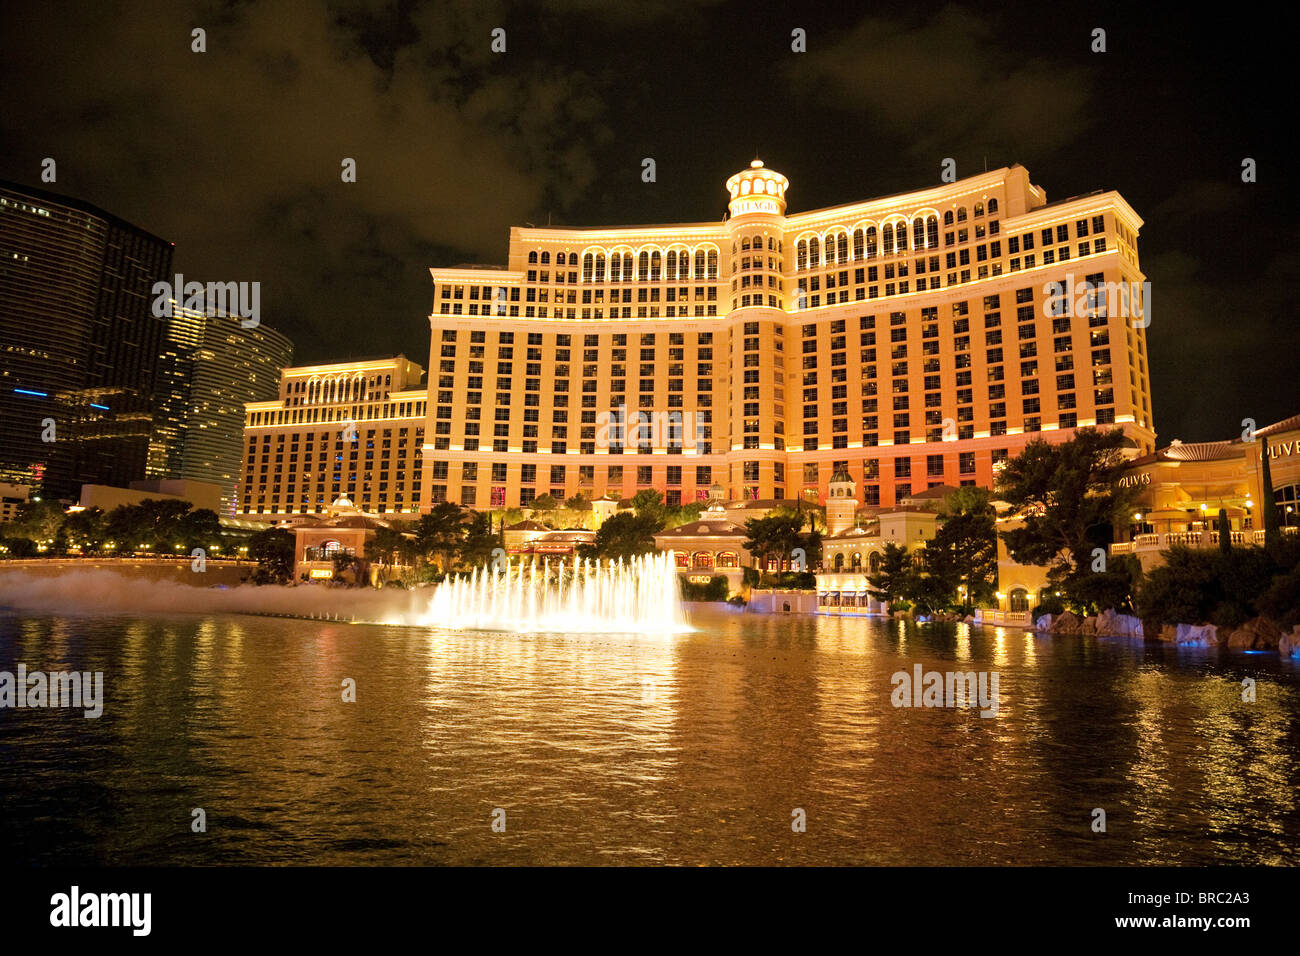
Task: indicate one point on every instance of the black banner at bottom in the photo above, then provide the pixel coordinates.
(301, 905)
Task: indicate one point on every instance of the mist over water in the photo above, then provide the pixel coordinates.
(101, 591)
(640, 596)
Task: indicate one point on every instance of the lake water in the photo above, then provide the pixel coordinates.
(625, 750)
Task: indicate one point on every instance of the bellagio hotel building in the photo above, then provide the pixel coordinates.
(912, 340)
(909, 339)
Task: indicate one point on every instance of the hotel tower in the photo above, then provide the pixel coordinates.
(912, 341)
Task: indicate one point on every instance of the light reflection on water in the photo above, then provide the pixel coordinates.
(625, 749)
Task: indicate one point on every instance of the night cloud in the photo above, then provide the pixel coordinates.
(235, 154)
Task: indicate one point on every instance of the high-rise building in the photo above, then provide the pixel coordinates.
(209, 369)
(352, 430)
(172, 388)
(79, 344)
(904, 343)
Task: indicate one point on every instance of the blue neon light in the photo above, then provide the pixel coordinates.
(28, 391)
(104, 407)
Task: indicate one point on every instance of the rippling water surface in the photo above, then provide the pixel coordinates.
(623, 750)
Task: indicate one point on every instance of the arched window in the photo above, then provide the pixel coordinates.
(615, 266)
(814, 253)
(873, 561)
(643, 266)
(839, 561)
(627, 267)
(701, 559)
(532, 258)
(961, 213)
(801, 256)
(993, 206)
(546, 258)
(900, 237)
(713, 263)
(561, 259)
(918, 233)
(979, 209)
(932, 232)
(1018, 600)
(1287, 499)
(699, 264)
(656, 263)
(744, 244)
(726, 559)
(600, 268)
(887, 239)
(588, 264)
(856, 564)
(871, 242)
(947, 218)
(842, 247)
(857, 244)
(671, 264)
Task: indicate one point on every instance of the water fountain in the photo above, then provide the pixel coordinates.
(582, 596)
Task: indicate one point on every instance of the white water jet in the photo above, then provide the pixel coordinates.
(580, 596)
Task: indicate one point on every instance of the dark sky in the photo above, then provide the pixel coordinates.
(234, 154)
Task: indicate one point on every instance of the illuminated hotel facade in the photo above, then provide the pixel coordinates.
(910, 341)
(349, 430)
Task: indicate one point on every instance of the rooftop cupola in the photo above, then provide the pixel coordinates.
(757, 189)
